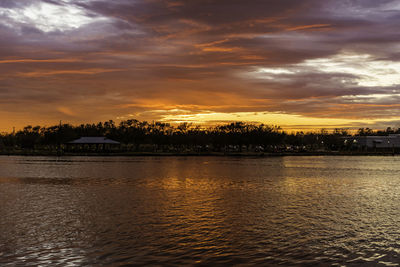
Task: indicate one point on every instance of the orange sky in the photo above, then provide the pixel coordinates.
(299, 64)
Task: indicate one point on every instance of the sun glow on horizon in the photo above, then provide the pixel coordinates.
(288, 122)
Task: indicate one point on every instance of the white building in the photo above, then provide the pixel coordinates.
(390, 141)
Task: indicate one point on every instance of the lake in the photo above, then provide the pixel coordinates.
(115, 211)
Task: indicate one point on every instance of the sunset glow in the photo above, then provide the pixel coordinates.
(303, 65)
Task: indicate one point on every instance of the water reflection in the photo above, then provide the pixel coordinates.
(111, 211)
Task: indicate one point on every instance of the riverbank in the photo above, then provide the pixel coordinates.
(197, 154)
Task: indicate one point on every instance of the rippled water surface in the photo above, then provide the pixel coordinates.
(199, 211)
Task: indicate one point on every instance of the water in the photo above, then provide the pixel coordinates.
(199, 211)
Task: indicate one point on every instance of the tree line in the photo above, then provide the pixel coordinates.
(159, 136)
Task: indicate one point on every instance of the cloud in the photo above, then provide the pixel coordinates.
(63, 72)
(28, 60)
(319, 59)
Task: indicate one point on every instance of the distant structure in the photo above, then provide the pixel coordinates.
(90, 142)
(94, 140)
(379, 142)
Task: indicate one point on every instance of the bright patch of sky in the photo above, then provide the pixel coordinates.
(48, 17)
(286, 121)
(370, 72)
(369, 98)
(366, 70)
(275, 71)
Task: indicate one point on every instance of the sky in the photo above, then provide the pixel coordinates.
(303, 65)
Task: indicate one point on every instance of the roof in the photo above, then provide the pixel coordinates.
(94, 140)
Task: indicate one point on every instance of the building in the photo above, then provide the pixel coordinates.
(90, 143)
(376, 142)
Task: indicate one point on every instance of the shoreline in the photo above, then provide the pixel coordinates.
(200, 154)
